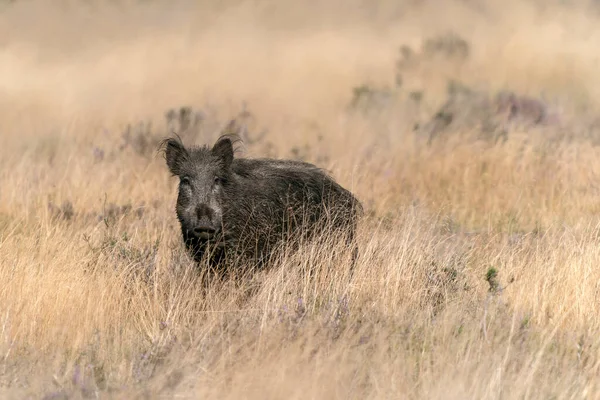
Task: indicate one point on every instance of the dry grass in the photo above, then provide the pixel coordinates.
(477, 275)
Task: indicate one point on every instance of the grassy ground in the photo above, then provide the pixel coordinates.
(477, 275)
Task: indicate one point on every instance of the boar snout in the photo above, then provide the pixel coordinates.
(204, 227)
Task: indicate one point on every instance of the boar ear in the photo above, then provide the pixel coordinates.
(224, 150)
(175, 155)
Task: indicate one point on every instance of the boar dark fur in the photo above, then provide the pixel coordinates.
(243, 209)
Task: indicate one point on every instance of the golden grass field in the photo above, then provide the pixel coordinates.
(99, 299)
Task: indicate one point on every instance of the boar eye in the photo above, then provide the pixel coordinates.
(218, 181)
(185, 180)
